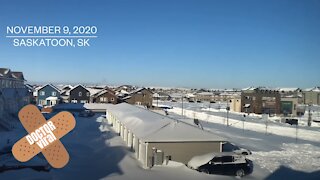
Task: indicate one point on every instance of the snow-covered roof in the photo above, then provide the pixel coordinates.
(79, 85)
(103, 92)
(182, 132)
(4, 72)
(176, 95)
(249, 89)
(288, 89)
(93, 90)
(92, 106)
(153, 127)
(138, 90)
(205, 94)
(54, 87)
(314, 89)
(17, 75)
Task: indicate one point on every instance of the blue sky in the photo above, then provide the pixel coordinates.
(180, 43)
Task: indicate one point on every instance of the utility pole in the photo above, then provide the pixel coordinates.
(182, 106)
(157, 100)
(244, 118)
(228, 109)
(309, 116)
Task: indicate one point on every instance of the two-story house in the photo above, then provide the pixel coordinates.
(48, 95)
(105, 96)
(13, 96)
(140, 96)
(79, 94)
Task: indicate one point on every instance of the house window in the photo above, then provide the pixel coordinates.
(54, 93)
(88, 94)
(80, 94)
(42, 93)
(83, 101)
(42, 102)
(74, 101)
(103, 99)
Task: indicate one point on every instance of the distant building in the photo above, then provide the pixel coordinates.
(235, 104)
(311, 96)
(161, 96)
(79, 94)
(105, 96)
(13, 96)
(141, 96)
(260, 101)
(288, 106)
(291, 93)
(204, 97)
(48, 95)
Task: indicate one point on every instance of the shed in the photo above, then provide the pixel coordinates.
(155, 138)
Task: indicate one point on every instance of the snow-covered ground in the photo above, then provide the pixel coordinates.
(278, 149)
(96, 152)
(102, 154)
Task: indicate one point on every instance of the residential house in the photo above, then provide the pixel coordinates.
(140, 96)
(105, 96)
(260, 101)
(48, 95)
(79, 94)
(13, 96)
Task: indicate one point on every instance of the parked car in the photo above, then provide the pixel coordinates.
(222, 163)
(37, 163)
(86, 113)
(230, 147)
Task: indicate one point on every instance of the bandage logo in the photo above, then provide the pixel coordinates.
(43, 136)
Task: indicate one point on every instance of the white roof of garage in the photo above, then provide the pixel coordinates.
(149, 126)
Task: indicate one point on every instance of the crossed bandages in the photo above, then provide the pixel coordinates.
(43, 136)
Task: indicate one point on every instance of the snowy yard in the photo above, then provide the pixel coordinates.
(278, 148)
(96, 152)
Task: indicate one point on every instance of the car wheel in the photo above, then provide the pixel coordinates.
(240, 173)
(204, 171)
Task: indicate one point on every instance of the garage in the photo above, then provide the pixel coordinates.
(156, 138)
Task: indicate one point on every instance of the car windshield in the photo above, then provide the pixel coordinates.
(228, 147)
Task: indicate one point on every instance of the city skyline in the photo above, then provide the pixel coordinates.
(206, 44)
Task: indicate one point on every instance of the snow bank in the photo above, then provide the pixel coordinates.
(302, 157)
(258, 126)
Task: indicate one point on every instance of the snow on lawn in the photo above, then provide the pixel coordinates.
(272, 128)
(304, 157)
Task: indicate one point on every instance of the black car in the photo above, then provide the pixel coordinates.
(222, 163)
(86, 113)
